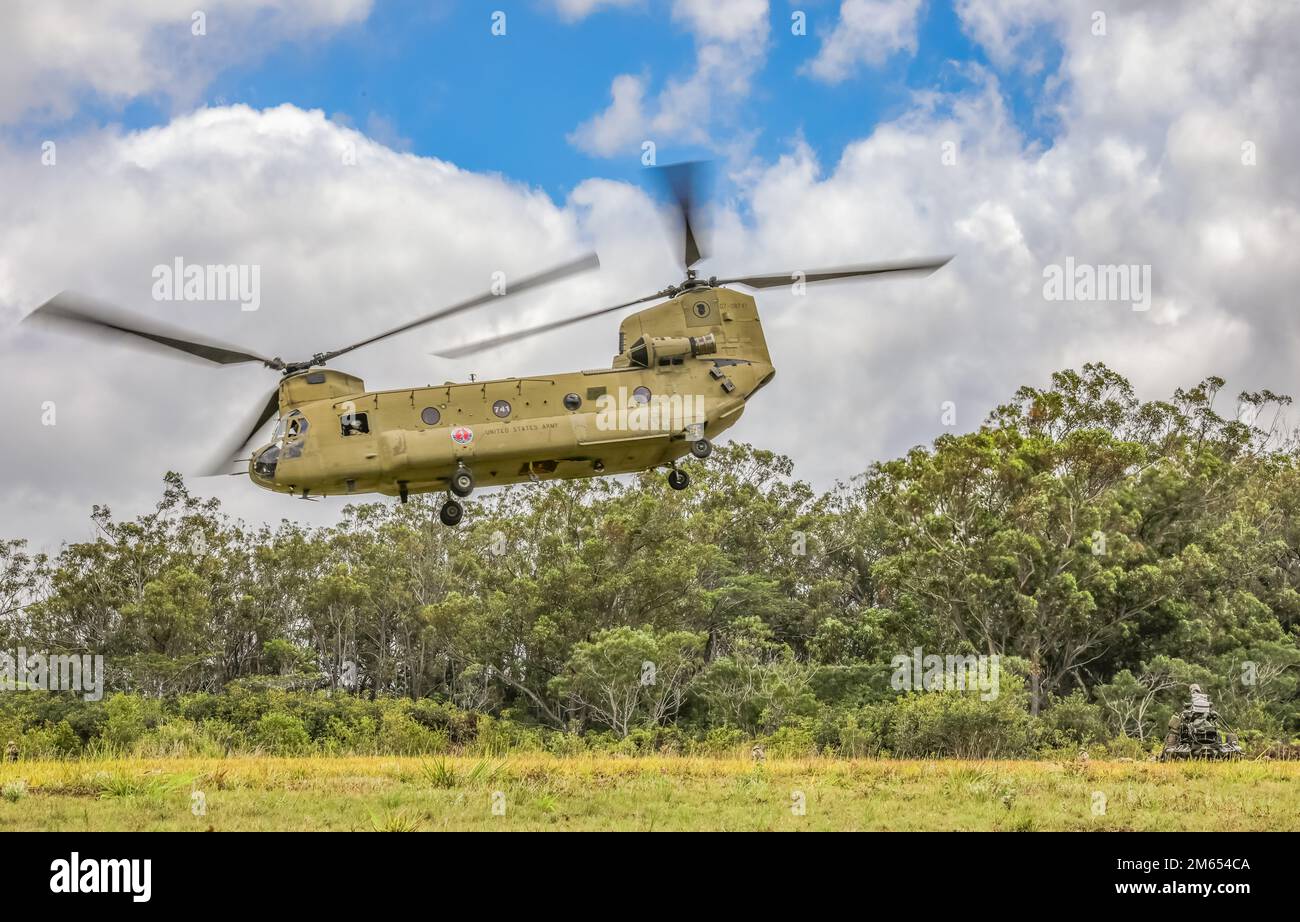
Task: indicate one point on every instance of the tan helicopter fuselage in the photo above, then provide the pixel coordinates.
(685, 369)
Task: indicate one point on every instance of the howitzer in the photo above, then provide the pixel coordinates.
(1194, 734)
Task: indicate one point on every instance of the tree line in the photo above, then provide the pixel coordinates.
(1109, 551)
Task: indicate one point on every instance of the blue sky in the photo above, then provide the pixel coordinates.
(432, 78)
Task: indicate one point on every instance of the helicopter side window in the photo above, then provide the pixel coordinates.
(297, 426)
(355, 423)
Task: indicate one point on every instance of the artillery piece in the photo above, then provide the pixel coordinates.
(1194, 734)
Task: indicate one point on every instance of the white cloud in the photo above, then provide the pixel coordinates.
(724, 21)
(1004, 27)
(731, 40)
(345, 251)
(54, 51)
(574, 10)
(868, 32)
(1147, 169)
(624, 123)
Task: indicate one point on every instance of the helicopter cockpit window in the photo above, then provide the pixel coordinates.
(290, 433)
(279, 430)
(355, 423)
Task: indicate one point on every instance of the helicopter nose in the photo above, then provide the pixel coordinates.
(265, 461)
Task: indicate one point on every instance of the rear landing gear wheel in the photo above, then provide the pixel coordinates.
(678, 480)
(701, 448)
(462, 482)
(451, 513)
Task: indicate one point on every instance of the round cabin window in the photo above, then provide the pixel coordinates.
(501, 408)
(572, 401)
(430, 416)
(641, 395)
(701, 308)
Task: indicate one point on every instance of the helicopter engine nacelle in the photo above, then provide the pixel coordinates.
(650, 352)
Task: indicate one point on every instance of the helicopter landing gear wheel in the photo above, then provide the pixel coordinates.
(462, 482)
(678, 479)
(701, 448)
(451, 513)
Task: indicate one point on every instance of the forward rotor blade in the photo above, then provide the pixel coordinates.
(230, 450)
(456, 352)
(903, 267)
(77, 310)
(582, 264)
(685, 183)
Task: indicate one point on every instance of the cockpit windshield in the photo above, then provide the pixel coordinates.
(265, 461)
(287, 441)
(290, 427)
(294, 435)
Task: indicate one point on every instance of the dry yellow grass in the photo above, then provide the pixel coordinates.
(538, 791)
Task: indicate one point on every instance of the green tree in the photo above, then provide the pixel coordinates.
(629, 677)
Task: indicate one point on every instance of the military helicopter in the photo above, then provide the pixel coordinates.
(685, 371)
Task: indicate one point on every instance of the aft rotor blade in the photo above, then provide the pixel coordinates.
(685, 183)
(230, 450)
(77, 310)
(582, 264)
(456, 352)
(903, 267)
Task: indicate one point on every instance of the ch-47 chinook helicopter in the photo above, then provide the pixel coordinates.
(685, 371)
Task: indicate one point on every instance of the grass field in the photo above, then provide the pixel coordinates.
(651, 793)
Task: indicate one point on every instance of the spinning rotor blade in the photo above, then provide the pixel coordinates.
(684, 182)
(226, 456)
(583, 264)
(903, 267)
(456, 352)
(921, 266)
(73, 309)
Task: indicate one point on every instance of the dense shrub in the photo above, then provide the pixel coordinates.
(720, 741)
(49, 741)
(273, 721)
(401, 734)
(854, 733)
(177, 737)
(790, 741)
(1073, 720)
(127, 720)
(960, 724)
(281, 734)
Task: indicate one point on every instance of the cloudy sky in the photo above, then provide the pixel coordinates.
(379, 161)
